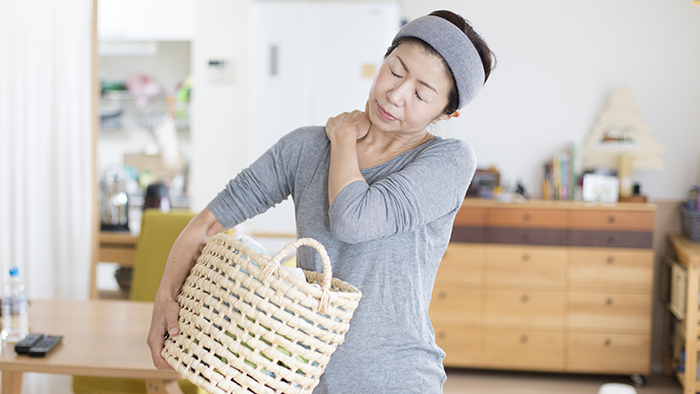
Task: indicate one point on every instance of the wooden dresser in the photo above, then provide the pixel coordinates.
(547, 286)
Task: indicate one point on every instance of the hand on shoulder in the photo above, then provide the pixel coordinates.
(353, 124)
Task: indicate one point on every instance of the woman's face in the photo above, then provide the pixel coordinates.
(410, 90)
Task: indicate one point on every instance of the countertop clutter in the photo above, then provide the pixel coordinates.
(548, 286)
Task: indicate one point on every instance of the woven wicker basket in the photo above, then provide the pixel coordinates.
(247, 326)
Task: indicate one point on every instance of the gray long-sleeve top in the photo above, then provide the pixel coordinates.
(385, 236)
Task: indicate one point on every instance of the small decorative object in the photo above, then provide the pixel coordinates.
(484, 182)
(620, 139)
(600, 188)
(520, 189)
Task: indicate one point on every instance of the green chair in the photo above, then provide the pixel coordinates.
(159, 231)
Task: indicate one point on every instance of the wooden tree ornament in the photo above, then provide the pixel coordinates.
(620, 130)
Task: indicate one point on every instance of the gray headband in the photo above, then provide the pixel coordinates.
(455, 47)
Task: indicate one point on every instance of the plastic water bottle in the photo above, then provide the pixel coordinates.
(15, 318)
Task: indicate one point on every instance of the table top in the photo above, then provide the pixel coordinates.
(551, 204)
(687, 250)
(100, 338)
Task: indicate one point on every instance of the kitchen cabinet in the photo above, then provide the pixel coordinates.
(547, 286)
(152, 20)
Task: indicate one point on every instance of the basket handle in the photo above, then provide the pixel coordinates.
(274, 264)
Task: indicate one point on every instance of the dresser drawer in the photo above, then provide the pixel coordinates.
(629, 312)
(461, 263)
(612, 220)
(627, 269)
(609, 354)
(530, 350)
(468, 234)
(525, 265)
(612, 239)
(527, 236)
(528, 218)
(536, 309)
(453, 304)
(461, 345)
(470, 217)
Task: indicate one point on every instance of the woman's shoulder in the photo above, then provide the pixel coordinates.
(306, 135)
(454, 147)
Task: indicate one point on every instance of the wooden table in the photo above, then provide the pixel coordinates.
(100, 338)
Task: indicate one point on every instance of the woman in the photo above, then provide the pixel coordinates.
(380, 193)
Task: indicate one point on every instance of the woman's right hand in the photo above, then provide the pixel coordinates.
(181, 259)
(164, 323)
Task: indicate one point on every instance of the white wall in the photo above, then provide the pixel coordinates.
(558, 63)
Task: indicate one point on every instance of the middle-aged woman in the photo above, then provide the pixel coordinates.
(380, 193)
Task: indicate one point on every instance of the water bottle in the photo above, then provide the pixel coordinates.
(15, 318)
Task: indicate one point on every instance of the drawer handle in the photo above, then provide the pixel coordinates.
(611, 219)
(610, 259)
(525, 298)
(526, 217)
(608, 342)
(609, 301)
(611, 240)
(526, 237)
(442, 294)
(526, 257)
(523, 339)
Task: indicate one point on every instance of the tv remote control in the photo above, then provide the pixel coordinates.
(22, 347)
(45, 345)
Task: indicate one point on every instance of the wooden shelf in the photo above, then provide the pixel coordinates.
(118, 237)
(688, 254)
(114, 247)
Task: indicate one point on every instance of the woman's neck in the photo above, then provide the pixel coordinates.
(378, 146)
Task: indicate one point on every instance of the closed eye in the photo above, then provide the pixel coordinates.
(395, 74)
(418, 95)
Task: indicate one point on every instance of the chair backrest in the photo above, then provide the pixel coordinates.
(159, 230)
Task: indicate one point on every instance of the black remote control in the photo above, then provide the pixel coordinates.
(22, 347)
(45, 345)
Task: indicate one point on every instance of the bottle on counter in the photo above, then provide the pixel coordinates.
(15, 318)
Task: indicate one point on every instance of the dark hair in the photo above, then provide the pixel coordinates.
(488, 58)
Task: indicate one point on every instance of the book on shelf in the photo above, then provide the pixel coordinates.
(561, 176)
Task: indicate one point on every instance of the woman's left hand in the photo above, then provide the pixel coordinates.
(353, 124)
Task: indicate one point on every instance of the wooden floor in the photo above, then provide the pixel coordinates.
(462, 381)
